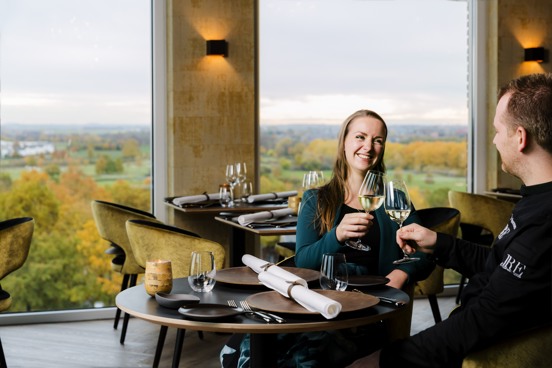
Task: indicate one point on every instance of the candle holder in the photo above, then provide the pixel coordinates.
(158, 277)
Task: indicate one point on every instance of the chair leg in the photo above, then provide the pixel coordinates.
(434, 307)
(159, 348)
(2, 357)
(180, 333)
(200, 335)
(460, 288)
(133, 279)
(118, 312)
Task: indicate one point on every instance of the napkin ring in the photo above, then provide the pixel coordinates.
(275, 195)
(206, 195)
(266, 266)
(291, 285)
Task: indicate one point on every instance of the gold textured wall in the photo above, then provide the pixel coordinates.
(514, 25)
(211, 107)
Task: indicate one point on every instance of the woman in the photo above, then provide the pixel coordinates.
(332, 214)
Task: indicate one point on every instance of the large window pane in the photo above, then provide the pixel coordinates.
(321, 60)
(75, 126)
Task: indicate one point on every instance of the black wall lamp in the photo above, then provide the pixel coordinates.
(535, 54)
(217, 47)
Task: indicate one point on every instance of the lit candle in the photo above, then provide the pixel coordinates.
(158, 277)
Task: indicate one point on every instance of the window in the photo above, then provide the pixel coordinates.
(321, 60)
(76, 126)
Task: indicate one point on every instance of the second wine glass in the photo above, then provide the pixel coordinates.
(370, 195)
(398, 206)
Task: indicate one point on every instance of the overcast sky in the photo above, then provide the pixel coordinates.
(87, 61)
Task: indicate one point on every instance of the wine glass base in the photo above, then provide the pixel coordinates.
(405, 260)
(358, 245)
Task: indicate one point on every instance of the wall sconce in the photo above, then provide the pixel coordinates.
(535, 54)
(217, 47)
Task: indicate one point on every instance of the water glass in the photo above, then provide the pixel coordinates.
(202, 271)
(333, 272)
(225, 195)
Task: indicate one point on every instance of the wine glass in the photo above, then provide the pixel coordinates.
(202, 271)
(241, 171)
(333, 272)
(397, 206)
(232, 179)
(370, 195)
(310, 180)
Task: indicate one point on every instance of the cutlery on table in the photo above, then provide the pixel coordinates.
(275, 317)
(386, 300)
(233, 304)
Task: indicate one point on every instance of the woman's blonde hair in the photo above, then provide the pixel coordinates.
(331, 195)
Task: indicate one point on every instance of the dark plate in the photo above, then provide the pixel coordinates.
(206, 312)
(367, 280)
(246, 276)
(175, 301)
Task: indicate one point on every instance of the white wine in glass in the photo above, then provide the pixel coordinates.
(398, 206)
(371, 196)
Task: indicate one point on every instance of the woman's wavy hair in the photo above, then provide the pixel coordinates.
(331, 195)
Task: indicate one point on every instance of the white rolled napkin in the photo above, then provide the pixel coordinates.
(260, 265)
(196, 198)
(309, 299)
(245, 220)
(276, 195)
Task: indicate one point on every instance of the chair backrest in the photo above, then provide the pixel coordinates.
(489, 213)
(15, 241)
(528, 349)
(444, 220)
(150, 240)
(111, 221)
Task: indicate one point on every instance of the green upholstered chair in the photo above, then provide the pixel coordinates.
(483, 218)
(110, 219)
(15, 241)
(528, 349)
(444, 220)
(151, 240)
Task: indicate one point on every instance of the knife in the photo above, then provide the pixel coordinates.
(395, 302)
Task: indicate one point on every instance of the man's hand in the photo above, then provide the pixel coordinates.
(415, 237)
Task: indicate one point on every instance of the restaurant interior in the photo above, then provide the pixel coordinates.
(199, 99)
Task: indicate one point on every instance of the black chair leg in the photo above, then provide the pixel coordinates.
(200, 335)
(118, 312)
(133, 279)
(159, 348)
(434, 307)
(2, 357)
(180, 333)
(460, 288)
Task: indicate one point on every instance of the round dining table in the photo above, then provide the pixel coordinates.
(136, 302)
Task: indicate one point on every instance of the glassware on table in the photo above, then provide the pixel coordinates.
(333, 272)
(370, 196)
(202, 271)
(232, 180)
(398, 206)
(311, 180)
(225, 195)
(241, 171)
(245, 189)
(158, 277)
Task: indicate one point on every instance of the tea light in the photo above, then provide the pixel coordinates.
(158, 277)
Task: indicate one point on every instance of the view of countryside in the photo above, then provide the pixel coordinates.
(53, 174)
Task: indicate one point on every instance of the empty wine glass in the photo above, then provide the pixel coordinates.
(202, 271)
(232, 180)
(241, 171)
(398, 206)
(333, 272)
(311, 180)
(370, 195)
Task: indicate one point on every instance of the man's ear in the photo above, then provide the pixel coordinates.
(522, 138)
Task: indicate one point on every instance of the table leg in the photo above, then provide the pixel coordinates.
(263, 352)
(237, 247)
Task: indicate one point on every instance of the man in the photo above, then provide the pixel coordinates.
(510, 287)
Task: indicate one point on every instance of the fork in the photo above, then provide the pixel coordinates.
(232, 304)
(274, 317)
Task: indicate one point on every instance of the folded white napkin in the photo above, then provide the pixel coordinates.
(264, 197)
(309, 299)
(260, 265)
(245, 220)
(196, 198)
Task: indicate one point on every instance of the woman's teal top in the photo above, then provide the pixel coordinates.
(310, 245)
